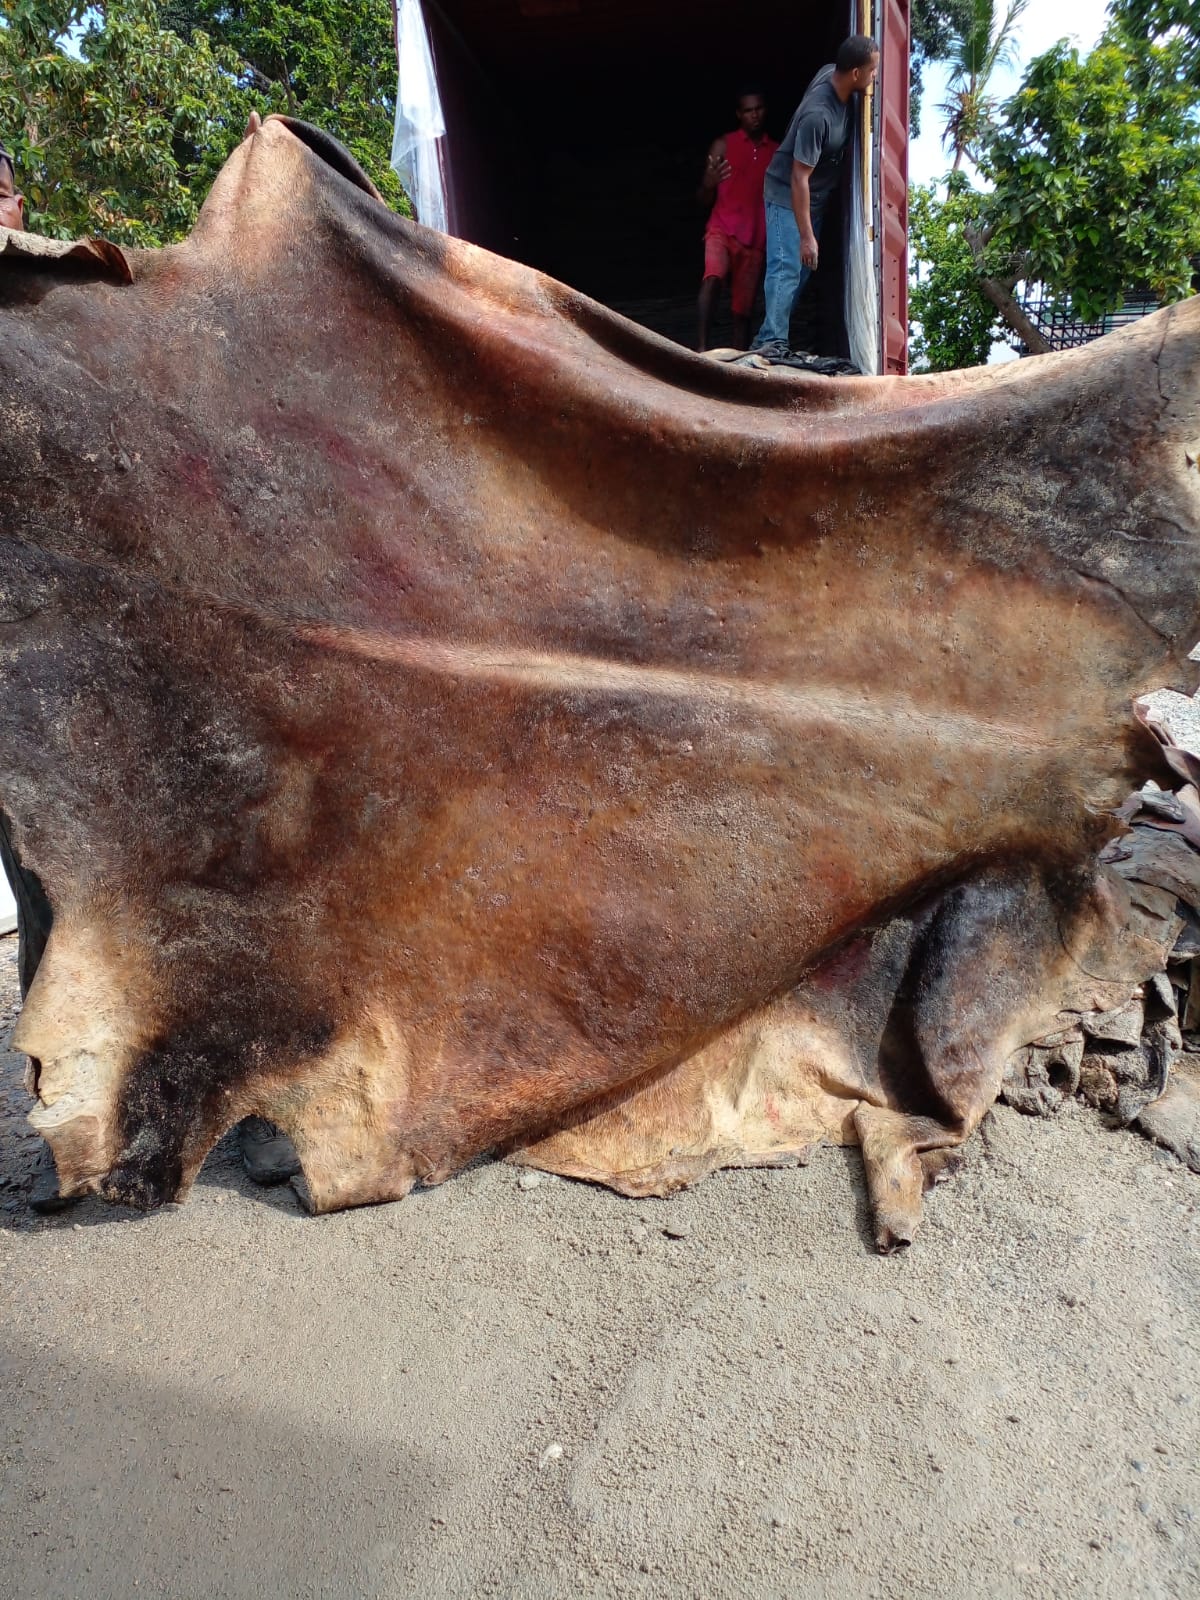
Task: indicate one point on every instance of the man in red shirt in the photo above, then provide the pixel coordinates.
(735, 240)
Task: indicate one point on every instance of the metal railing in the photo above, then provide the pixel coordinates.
(1057, 323)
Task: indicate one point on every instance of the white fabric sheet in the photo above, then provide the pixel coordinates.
(418, 141)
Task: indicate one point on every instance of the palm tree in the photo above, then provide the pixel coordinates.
(984, 43)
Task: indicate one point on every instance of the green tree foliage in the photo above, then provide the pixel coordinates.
(985, 41)
(932, 26)
(119, 113)
(1164, 21)
(331, 62)
(954, 323)
(1096, 167)
(124, 137)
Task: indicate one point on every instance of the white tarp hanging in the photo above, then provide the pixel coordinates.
(862, 299)
(417, 144)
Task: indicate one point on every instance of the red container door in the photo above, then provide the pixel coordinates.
(893, 181)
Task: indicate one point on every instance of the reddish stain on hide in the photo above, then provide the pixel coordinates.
(352, 469)
(195, 477)
(843, 968)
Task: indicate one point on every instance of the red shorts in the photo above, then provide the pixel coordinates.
(726, 258)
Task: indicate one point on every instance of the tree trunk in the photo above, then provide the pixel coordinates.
(1002, 297)
(1013, 316)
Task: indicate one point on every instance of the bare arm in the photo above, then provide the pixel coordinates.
(801, 205)
(716, 170)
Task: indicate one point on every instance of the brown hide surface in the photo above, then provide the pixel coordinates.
(433, 704)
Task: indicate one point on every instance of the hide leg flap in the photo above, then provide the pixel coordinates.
(903, 1156)
(131, 1105)
(346, 1115)
(763, 1094)
(85, 1021)
(943, 1055)
(991, 970)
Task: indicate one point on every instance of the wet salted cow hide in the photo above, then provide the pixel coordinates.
(448, 719)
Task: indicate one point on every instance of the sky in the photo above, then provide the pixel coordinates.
(1045, 22)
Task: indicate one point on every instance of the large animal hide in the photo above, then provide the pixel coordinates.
(446, 718)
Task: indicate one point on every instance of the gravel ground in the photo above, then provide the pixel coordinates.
(491, 1389)
(1180, 714)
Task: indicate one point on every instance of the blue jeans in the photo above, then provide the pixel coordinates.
(785, 276)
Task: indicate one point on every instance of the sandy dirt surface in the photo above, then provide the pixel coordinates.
(491, 1389)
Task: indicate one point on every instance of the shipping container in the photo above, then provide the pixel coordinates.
(575, 134)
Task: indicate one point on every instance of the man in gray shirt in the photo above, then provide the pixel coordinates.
(803, 173)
